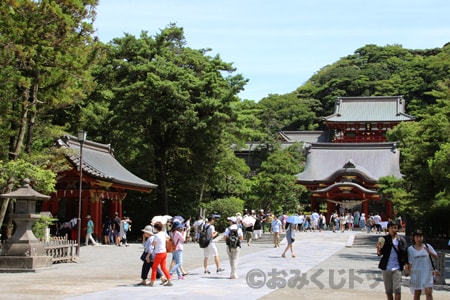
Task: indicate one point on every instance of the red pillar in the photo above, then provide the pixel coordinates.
(96, 214)
(389, 209)
(365, 208)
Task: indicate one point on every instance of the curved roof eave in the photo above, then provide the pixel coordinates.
(345, 184)
(358, 170)
(99, 163)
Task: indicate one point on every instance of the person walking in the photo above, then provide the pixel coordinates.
(211, 250)
(89, 231)
(290, 238)
(394, 256)
(421, 270)
(362, 222)
(248, 234)
(333, 217)
(233, 236)
(107, 227)
(125, 226)
(198, 224)
(275, 227)
(148, 257)
(160, 254)
(315, 220)
(178, 236)
(116, 229)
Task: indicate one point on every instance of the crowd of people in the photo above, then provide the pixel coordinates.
(415, 261)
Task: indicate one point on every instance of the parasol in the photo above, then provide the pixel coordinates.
(294, 220)
(179, 219)
(162, 219)
(248, 221)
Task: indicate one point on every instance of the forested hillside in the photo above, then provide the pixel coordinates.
(171, 112)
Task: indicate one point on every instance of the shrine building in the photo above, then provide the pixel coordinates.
(343, 174)
(105, 183)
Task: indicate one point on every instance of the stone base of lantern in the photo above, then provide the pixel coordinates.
(10, 264)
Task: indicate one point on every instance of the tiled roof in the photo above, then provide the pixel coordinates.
(287, 138)
(369, 109)
(304, 136)
(325, 161)
(99, 162)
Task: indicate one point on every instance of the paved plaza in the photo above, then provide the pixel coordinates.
(327, 266)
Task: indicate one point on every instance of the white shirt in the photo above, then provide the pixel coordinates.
(160, 242)
(377, 219)
(211, 229)
(198, 223)
(234, 227)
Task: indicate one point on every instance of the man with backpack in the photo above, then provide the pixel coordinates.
(233, 236)
(206, 241)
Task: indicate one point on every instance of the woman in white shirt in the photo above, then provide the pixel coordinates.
(421, 270)
(160, 254)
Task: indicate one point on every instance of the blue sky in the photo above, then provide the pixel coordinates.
(278, 45)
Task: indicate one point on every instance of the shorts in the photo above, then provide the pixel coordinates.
(211, 250)
(392, 281)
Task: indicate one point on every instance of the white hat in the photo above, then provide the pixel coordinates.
(148, 229)
(232, 219)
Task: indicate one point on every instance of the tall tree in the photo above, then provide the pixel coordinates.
(425, 151)
(46, 48)
(173, 104)
(275, 187)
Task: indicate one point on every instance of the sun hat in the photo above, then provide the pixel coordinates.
(148, 229)
(232, 219)
(176, 225)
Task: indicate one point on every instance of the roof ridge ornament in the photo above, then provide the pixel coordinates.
(349, 165)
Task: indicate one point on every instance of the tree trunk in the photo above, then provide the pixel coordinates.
(6, 203)
(32, 117)
(23, 126)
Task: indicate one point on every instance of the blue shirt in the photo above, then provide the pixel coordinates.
(276, 225)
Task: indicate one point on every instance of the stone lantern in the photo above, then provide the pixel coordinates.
(23, 251)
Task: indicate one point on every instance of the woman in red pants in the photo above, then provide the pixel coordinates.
(161, 254)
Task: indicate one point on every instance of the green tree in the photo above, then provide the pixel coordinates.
(425, 149)
(12, 174)
(225, 207)
(170, 106)
(379, 71)
(46, 50)
(275, 187)
(287, 113)
(45, 58)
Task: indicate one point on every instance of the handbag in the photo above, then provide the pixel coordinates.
(170, 245)
(436, 273)
(143, 256)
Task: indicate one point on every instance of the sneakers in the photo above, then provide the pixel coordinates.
(207, 272)
(180, 278)
(220, 270)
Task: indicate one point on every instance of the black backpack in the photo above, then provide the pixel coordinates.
(204, 238)
(233, 240)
